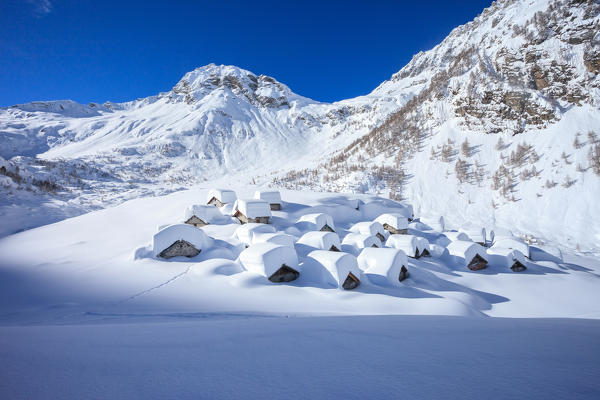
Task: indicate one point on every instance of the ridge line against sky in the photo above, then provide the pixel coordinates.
(120, 51)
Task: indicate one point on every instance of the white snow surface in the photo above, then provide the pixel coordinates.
(466, 251)
(409, 244)
(320, 240)
(318, 220)
(246, 232)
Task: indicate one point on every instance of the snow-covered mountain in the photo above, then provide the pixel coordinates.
(519, 84)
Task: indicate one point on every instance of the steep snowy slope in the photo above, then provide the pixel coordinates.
(508, 121)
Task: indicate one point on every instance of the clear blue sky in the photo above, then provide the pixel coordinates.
(122, 50)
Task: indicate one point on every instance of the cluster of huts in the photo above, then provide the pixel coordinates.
(377, 249)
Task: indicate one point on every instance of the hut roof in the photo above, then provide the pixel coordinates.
(360, 241)
(395, 220)
(454, 236)
(205, 212)
(318, 219)
(466, 250)
(386, 263)
(272, 197)
(252, 208)
(475, 234)
(223, 195)
(511, 242)
(267, 258)
(368, 228)
(273, 237)
(246, 232)
(321, 240)
(331, 267)
(409, 244)
(506, 256)
(172, 233)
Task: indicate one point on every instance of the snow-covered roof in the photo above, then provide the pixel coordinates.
(466, 250)
(272, 197)
(382, 263)
(505, 256)
(252, 208)
(172, 233)
(319, 220)
(511, 242)
(454, 236)
(205, 212)
(321, 240)
(395, 220)
(223, 195)
(409, 244)
(475, 234)
(246, 232)
(277, 237)
(330, 267)
(360, 241)
(267, 258)
(368, 228)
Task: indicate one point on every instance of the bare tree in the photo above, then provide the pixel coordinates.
(466, 148)
(500, 145)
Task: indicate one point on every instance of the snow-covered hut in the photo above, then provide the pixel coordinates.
(383, 266)
(278, 263)
(354, 242)
(511, 258)
(321, 240)
(273, 198)
(178, 240)
(394, 223)
(511, 242)
(277, 237)
(335, 268)
(220, 197)
(246, 232)
(413, 246)
(251, 210)
(201, 214)
(318, 222)
(370, 228)
(471, 254)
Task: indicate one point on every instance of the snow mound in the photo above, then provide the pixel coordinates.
(466, 253)
(383, 266)
(252, 208)
(370, 229)
(279, 238)
(316, 222)
(269, 259)
(512, 243)
(332, 268)
(171, 234)
(321, 240)
(225, 196)
(393, 221)
(508, 258)
(207, 213)
(411, 245)
(353, 242)
(246, 232)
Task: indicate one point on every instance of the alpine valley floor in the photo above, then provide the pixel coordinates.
(82, 315)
